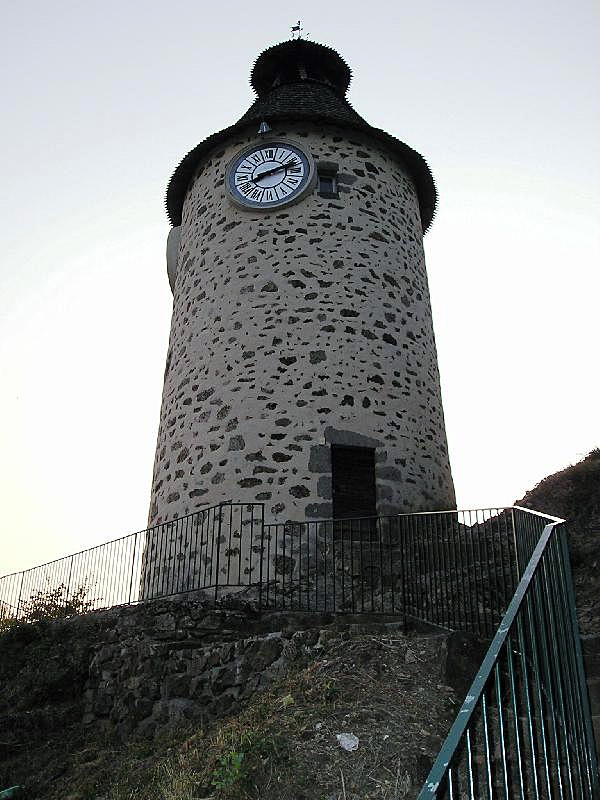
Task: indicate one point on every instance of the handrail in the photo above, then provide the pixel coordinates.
(457, 731)
(460, 732)
(457, 568)
(188, 554)
(72, 555)
(460, 569)
(135, 566)
(539, 513)
(206, 509)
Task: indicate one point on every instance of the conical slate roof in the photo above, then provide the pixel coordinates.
(300, 80)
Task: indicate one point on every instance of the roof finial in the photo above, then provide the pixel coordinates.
(297, 30)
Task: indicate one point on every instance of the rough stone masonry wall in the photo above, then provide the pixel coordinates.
(165, 663)
(142, 669)
(295, 329)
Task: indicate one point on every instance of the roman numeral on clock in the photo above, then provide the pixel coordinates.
(268, 175)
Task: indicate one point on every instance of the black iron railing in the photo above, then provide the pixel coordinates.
(214, 550)
(457, 569)
(98, 577)
(524, 730)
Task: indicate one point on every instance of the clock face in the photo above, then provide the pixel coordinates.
(269, 175)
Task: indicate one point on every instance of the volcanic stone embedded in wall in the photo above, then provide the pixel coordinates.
(164, 662)
(290, 323)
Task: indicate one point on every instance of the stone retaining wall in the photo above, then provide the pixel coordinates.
(165, 662)
(183, 662)
(140, 670)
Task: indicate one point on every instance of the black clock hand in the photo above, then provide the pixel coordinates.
(266, 172)
(273, 170)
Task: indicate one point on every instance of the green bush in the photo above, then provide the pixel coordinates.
(57, 603)
(229, 770)
(6, 623)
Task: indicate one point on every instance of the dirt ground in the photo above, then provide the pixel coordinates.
(385, 691)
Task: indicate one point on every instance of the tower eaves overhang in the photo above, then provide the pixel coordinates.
(302, 81)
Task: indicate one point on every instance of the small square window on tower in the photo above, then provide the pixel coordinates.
(327, 175)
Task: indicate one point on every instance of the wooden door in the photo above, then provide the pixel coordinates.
(353, 478)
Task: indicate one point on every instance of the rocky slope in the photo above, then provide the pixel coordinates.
(388, 697)
(391, 695)
(574, 494)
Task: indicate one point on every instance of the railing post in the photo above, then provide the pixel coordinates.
(69, 579)
(218, 551)
(583, 687)
(20, 593)
(518, 565)
(403, 547)
(132, 568)
(262, 552)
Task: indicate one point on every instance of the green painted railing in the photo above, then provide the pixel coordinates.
(524, 730)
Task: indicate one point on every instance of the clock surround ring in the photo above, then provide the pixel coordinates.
(247, 204)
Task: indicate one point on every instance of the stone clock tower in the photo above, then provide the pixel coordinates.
(301, 371)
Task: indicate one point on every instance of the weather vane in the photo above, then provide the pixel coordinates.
(297, 30)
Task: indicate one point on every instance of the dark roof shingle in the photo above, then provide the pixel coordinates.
(301, 80)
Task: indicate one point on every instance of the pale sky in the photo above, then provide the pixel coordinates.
(101, 100)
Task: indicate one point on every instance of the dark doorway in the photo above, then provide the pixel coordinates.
(353, 478)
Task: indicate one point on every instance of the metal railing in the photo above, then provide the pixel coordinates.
(216, 550)
(98, 577)
(457, 569)
(524, 730)
(211, 551)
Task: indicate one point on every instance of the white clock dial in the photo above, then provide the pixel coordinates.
(269, 174)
